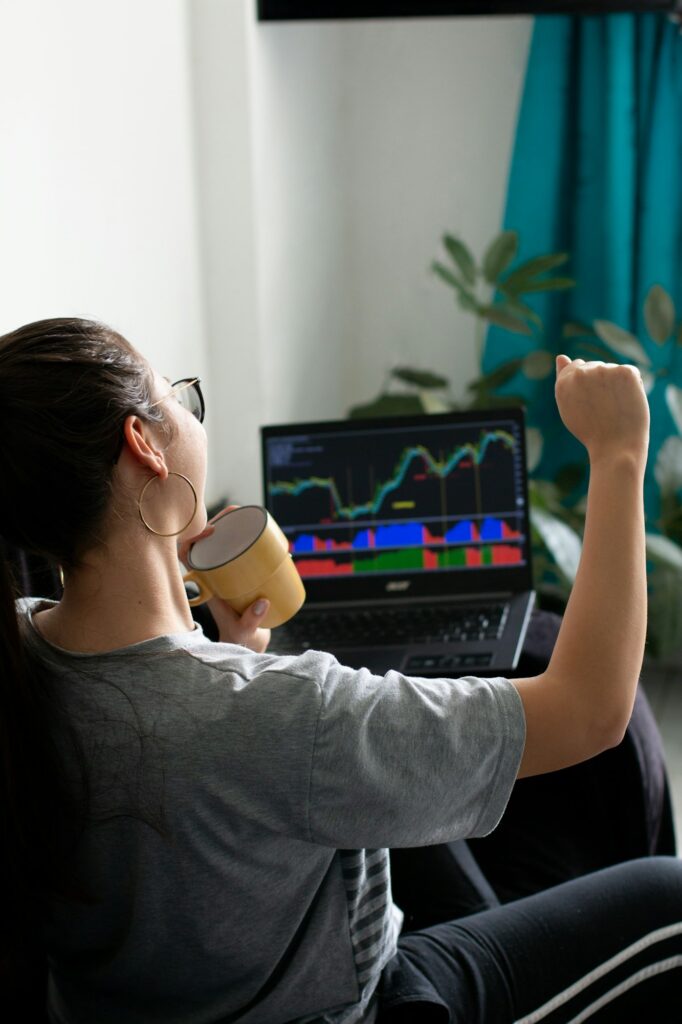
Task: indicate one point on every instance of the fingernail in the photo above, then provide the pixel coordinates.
(260, 607)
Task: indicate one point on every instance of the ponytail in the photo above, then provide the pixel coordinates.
(37, 814)
(68, 385)
(17, 714)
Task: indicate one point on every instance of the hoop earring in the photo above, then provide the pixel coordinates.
(182, 529)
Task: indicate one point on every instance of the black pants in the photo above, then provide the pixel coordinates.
(581, 867)
(606, 947)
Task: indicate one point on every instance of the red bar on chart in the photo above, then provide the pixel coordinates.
(323, 567)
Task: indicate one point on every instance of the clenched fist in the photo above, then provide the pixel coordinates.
(605, 406)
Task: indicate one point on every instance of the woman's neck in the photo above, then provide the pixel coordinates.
(123, 594)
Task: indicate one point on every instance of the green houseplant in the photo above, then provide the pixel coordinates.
(495, 291)
(664, 535)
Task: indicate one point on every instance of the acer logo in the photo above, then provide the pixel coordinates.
(399, 585)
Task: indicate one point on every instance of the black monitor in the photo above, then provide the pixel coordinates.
(427, 496)
(293, 10)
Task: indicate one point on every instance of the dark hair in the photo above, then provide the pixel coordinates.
(66, 388)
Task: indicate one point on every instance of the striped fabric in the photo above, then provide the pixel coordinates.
(374, 922)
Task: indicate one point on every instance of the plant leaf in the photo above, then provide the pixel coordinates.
(468, 302)
(544, 494)
(388, 405)
(467, 299)
(648, 380)
(576, 329)
(662, 551)
(433, 403)
(462, 257)
(496, 378)
(534, 445)
(521, 308)
(622, 342)
(562, 543)
(533, 268)
(605, 354)
(503, 317)
(446, 275)
(665, 594)
(671, 517)
(549, 284)
(659, 314)
(419, 378)
(668, 468)
(538, 364)
(673, 398)
(499, 255)
(486, 400)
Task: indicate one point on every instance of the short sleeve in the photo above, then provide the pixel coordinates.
(401, 761)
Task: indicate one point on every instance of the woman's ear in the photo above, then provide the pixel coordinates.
(140, 444)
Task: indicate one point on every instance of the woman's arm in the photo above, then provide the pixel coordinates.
(582, 703)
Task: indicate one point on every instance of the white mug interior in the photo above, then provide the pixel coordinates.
(234, 533)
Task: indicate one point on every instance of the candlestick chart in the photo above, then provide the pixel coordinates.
(450, 498)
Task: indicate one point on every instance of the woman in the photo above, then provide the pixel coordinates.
(200, 828)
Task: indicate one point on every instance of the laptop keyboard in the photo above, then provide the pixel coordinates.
(385, 626)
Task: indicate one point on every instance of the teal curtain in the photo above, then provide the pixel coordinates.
(596, 172)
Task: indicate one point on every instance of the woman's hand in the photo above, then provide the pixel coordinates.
(233, 628)
(605, 406)
(241, 629)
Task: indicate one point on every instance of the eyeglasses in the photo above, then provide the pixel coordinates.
(188, 394)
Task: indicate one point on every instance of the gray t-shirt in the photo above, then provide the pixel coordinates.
(279, 783)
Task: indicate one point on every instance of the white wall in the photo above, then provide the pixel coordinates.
(300, 135)
(258, 204)
(219, 46)
(371, 139)
(268, 134)
(97, 189)
(431, 115)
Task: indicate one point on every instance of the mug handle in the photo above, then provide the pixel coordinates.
(204, 593)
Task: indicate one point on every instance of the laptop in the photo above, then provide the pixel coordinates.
(411, 536)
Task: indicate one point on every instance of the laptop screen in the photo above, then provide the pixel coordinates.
(431, 504)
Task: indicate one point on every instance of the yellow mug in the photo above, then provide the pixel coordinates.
(245, 558)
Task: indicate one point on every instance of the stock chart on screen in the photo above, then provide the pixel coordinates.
(434, 498)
